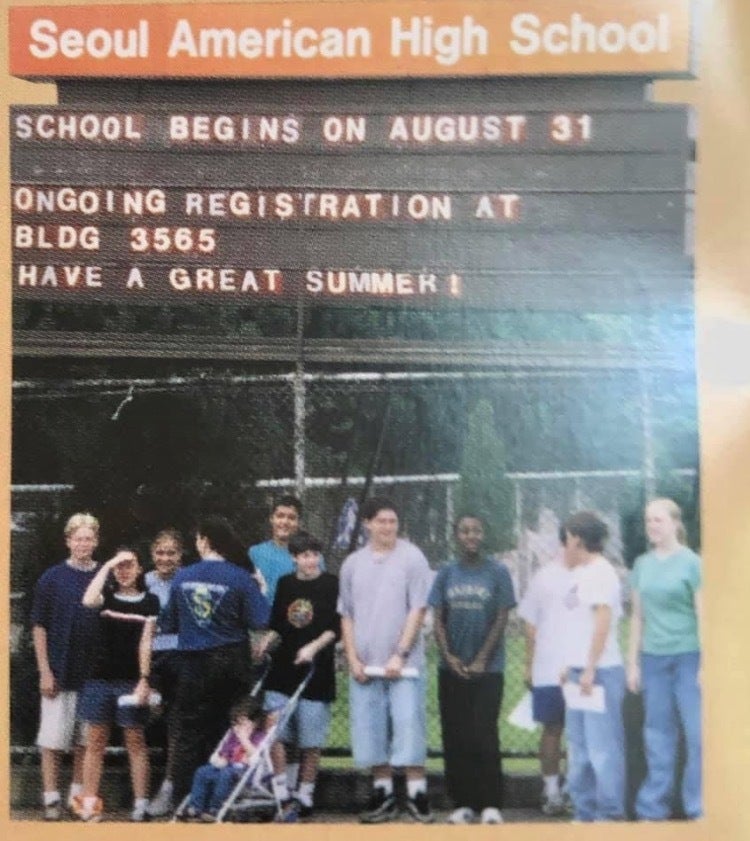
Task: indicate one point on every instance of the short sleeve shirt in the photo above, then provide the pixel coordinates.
(274, 562)
(161, 589)
(544, 606)
(471, 597)
(667, 587)
(302, 611)
(71, 628)
(121, 623)
(377, 592)
(594, 584)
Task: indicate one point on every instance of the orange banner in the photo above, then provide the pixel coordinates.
(357, 38)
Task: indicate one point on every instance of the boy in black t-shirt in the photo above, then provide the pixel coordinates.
(305, 618)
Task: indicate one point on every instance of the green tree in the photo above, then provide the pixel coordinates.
(484, 488)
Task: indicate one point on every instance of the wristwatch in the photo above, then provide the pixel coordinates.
(402, 652)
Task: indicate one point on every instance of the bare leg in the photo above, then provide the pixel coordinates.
(98, 738)
(278, 757)
(79, 752)
(549, 749)
(135, 742)
(415, 772)
(309, 762)
(50, 769)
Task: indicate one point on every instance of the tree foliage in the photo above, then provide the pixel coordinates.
(485, 490)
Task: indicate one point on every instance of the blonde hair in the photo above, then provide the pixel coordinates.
(82, 520)
(169, 534)
(675, 513)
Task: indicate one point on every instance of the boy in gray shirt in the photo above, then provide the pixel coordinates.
(382, 602)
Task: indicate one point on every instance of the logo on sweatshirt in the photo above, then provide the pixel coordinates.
(203, 600)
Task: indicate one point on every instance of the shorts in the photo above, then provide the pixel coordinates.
(97, 704)
(307, 727)
(58, 728)
(388, 722)
(548, 704)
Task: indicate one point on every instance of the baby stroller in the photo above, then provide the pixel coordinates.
(252, 797)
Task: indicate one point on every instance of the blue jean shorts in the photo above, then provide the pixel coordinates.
(548, 704)
(97, 704)
(388, 722)
(307, 727)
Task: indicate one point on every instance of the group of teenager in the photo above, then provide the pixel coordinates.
(111, 643)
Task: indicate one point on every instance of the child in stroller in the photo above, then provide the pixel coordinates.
(214, 781)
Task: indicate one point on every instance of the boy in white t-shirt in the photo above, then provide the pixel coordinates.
(545, 614)
(596, 740)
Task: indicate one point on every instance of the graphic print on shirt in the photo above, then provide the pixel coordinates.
(300, 613)
(571, 598)
(203, 600)
(468, 596)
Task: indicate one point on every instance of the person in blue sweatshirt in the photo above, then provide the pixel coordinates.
(212, 606)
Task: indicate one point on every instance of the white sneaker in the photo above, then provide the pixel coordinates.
(491, 815)
(53, 811)
(553, 805)
(140, 813)
(462, 815)
(163, 803)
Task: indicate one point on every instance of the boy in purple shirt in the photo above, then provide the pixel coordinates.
(382, 602)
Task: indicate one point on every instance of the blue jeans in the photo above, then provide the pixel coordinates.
(596, 752)
(212, 786)
(671, 700)
(388, 722)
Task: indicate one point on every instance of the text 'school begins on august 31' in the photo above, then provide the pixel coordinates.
(267, 130)
(417, 37)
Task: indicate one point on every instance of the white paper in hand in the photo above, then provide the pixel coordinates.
(379, 671)
(521, 715)
(576, 700)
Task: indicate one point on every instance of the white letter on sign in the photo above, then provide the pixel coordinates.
(525, 26)
(43, 31)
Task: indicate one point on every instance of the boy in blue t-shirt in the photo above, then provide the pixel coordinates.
(272, 558)
(472, 597)
(62, 630)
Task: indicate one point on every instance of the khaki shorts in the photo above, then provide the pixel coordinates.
(58, 728)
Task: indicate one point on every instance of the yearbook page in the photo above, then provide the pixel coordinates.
(356, 352)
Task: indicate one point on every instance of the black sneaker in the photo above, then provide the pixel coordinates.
(305, 812)
(419, 808)
(288, 812)
(380, 807)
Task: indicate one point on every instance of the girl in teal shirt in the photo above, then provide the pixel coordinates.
(664, 661)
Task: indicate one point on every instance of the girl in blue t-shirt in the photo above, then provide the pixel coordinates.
(664, 661)
(471, 598)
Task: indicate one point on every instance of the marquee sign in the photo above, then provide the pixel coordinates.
(498, 195)
(472, 206)
(361, 38)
